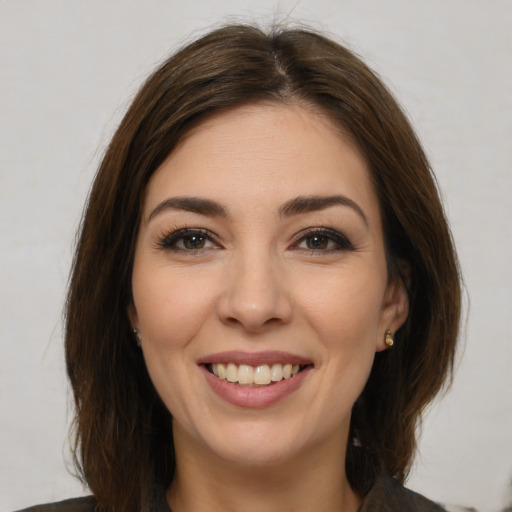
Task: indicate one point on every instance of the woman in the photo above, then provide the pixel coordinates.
(265, 293)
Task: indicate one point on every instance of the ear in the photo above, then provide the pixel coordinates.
(395, 307)
(132, 316)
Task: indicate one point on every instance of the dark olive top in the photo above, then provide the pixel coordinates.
(386, 495)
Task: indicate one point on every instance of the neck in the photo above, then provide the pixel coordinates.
(311, 481)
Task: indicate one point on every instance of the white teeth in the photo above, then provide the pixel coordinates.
(231, 373)
(247, 375)
(262, 375)
(277, 372)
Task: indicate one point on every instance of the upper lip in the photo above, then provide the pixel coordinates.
(254, 358)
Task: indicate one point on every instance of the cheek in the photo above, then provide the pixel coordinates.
(345, 307)
(170, 307)
(345, 315)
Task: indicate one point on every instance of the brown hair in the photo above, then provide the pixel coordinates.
(123, 432)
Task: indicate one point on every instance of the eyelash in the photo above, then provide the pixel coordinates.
(171, 240)
(341, 242)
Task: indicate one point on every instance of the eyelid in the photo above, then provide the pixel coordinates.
(168, 240)
(342, 241)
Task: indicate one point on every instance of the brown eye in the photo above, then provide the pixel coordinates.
(324, 240)
(317, 242)
(192, 242)
(188, 241)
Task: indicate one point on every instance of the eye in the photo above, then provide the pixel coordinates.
(318, 242)
(188, 240)
(324, 240)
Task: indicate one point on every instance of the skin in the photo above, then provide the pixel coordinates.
(258, 281)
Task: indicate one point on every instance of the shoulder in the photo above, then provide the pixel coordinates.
(388, 495)
(85, 504)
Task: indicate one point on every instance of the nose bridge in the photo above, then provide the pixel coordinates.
(254, 294)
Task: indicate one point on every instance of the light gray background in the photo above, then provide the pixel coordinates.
(67, 72)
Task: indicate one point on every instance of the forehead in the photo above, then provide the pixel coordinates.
(268, 152)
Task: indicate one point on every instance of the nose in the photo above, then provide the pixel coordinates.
(254, 296)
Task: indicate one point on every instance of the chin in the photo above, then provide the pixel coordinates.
(261, 444)
(244, 441)
(256, 454)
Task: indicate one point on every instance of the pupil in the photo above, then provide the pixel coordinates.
(194, 242)
(317, 242)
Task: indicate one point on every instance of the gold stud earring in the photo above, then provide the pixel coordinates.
(137, 337)
(390, 341)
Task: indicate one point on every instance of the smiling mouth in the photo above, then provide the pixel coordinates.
(255, 376)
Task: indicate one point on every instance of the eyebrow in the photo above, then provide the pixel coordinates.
(190, 204)
(305, 204)
(296, 206)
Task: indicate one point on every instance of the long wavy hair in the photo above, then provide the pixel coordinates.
(122, 432)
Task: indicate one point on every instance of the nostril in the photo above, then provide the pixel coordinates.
(253, 302)
(252, 322)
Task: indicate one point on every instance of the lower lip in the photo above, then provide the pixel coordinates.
(257, 397)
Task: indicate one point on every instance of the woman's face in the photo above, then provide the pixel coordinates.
(260, 253)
